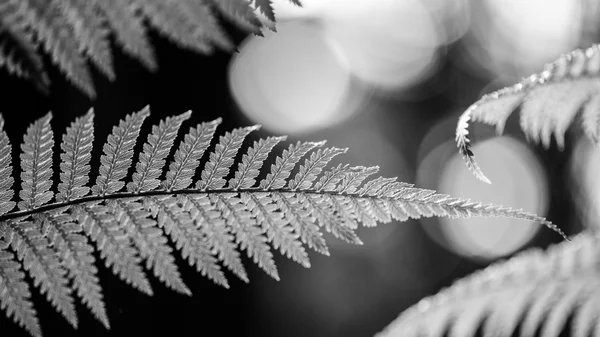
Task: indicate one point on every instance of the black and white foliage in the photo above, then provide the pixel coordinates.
(548, 101)
(137, 221)
(534, 291)
(73, 31)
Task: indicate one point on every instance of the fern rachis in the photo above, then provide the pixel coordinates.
(209, 223)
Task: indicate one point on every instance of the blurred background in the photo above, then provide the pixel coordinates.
(387, 79)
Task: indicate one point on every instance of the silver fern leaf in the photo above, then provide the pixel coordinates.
(130, 220)
(548, 102)
(73, 30)
(535, 290)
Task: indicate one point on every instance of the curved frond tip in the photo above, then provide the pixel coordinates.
(548, 101)
(141, 210)
(534, 291)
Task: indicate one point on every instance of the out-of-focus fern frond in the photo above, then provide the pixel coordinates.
(534, 291)
(18, 50)
(548, 102)
(130, 220)
(129, 30)
(59, 40)
(266, 8)
(90, 31)
(73, 30)
(239, 12)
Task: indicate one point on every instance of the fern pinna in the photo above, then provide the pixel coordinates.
(209, 221)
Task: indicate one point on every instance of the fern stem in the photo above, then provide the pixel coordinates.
(308, 193)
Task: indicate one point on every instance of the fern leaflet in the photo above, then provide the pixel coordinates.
(130, 220)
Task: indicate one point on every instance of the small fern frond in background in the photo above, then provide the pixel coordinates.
(548, 101)
(533, 291)
(18, 50)
(130, 219)
(72, 31)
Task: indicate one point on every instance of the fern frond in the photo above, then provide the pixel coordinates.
(75, 168)
(72, 31)
(32, 248)
(36, 164)
(14, 291)
(535, 290)
(548, 102)
(225, 212)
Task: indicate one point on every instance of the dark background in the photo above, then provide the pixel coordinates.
(264, 307)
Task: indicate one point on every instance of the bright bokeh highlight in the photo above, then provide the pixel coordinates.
(585, 165)
(290, 81)
(518, 37)
(387, 44)
(518, 181)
